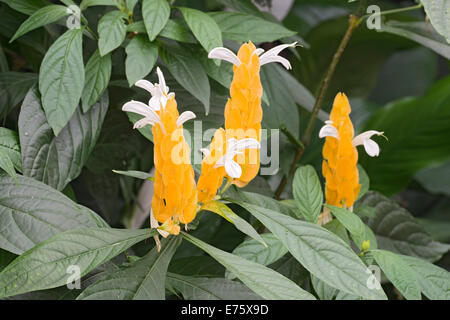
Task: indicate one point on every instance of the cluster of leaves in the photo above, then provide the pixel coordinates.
(62, 205)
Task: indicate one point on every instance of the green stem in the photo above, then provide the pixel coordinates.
(291, 138)
(226, 186)
(383, 13)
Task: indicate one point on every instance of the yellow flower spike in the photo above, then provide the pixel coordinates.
(175, 193)
(341, 156)
(243, 112)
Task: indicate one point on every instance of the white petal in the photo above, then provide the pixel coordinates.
(361, 138)
(163, 101)
(247, 143)
(224, 54)
(146, 85)
(328, 122)
(285, 62)
(233, 169)
(142, 123)
(328, 130)
(220, 162)
(137, 107)
(155, 103)
(185, 116)
(206, 152)
(258, 51)
(154, 224)
(162, 81)
(371, 148)
(270, 56)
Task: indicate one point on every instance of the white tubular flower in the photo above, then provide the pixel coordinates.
(232, 168)
(150, 116)
(159, 91)
(270, 56)
(185, 116)
(370, 146)
(328, 130)
(225, 54)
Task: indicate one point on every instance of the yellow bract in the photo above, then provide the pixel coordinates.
(340, 158)
(243, 112)
(175, 193)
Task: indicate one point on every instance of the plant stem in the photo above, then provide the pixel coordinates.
(383, 13)
(354, 22)
(291, 138)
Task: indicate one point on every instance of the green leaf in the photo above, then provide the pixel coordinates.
(136, 174)
(13, 88)
(439, 13)
(263, 281)
(282, 109)
(419, 32)
(32, 212)
(98, 73)
(141, 57)
(418, 130)
(399, 273)
(57, 160)
(353, 224)
(324, 291)
(142, 280)
(244, 27)
(61, 79)
(204, 28)
(202, 266)
(46, 265)
(25, 6)
(198, 288)
(176, 29)
(396, 229)
(321, 252)
(89, 3)
(253, 250)
(111, 31)
(226, 213)
(263, 201)
(9, 144)
(156, 13)
(363, 181)
(435, 179)
(7, 164)
(308, 193)
(189, 73)
(434, 282)
(41, 17)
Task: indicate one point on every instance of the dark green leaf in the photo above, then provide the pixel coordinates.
(189, 73)
(46, 265)
(61, 79)
(41, 17)
(111, 31)
(135, 174)
(98, 73)
(197, 288)
(89, 3)
(241, 224)
(31, 212)
(321, 252)
(57, 160)
(204, 28)
(26, 6)
(418, 130)
(142, 280)
(156, 14)
(396, 229)
(7, 164)
(13, 88)
(141, 57)
(243, 27)
(399, 273)
(263, 281)
(308, 193)
(9, 144)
